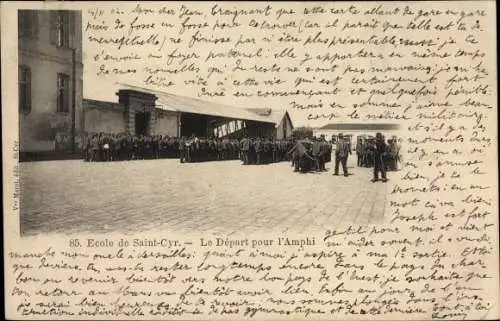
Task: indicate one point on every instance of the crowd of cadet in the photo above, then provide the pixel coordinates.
(250, 150)
(371, 152)
(365, 150)
(308, 154)
(104, 147)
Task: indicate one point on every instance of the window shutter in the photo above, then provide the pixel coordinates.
(20, 23)
(71, 29)
(20, 87)
(58, 92)
(28, 90)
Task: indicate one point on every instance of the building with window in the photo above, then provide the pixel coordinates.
(355, 130)
(50, 81)
(141, 111)
(54, 117)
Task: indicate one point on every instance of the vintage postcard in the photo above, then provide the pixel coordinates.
(250, 160)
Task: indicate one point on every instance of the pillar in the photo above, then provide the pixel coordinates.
(133, 102)
(152, 121)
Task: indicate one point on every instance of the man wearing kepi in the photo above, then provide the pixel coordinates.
(245, 148)
(342, 151)
(379, 150)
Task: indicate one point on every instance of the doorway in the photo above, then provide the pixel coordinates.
(141, 123)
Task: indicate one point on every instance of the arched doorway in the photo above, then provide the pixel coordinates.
(142, 123)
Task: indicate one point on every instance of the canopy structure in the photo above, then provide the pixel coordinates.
(207, 118)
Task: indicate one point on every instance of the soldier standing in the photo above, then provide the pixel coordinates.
(359, 151)
(218, 145)
(104, 148)
(368, 152)
(258, 150)
(112, 147)
(86, 150)
(315, 152)
(379, 150)
(266, 150)
(275, 146)
(189, 150)
(225, 148)
(329, 148)
(399, 160)
(342, 151)
(322, 153)
(182, 149)
(394, 154)
(95, 148)
(245, 150)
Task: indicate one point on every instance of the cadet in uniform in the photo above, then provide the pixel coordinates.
(368, 152)
(266, 151)
(342, 151)
(393, 154)
(182, 149)
(316, 147)
(95, 148)
(360, 150)
(258, 150)
(86, 152)
(328, 150)
(322, 153)
(379, 149)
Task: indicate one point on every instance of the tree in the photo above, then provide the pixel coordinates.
(303, 132)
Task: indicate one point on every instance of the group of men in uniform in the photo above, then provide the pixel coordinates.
(250, 150)
(391, 156)
(197, 149)
(375, 152)
(371, 151)
(310, 154)
(260, 151)
(105, 147)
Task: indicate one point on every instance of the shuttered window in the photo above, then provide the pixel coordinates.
(24, 89)
(62, 93)
(27, 23)
(62, 28)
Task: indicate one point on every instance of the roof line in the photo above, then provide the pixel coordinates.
(198, 99)
(167, 94)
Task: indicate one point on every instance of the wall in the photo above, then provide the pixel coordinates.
(166, 123)
(134, 102)
(284, 124)
(43, 125)
(107, 120)
(111, 117)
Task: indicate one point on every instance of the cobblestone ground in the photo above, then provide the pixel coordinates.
(219, 197)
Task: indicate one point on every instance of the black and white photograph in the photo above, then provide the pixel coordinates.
(230, 160)
(155, 159)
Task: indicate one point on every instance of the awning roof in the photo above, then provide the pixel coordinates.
(172, 102)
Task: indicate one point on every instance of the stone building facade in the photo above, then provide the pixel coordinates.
(50, 81)
(54, 118)
(135, 112)
(144, 112)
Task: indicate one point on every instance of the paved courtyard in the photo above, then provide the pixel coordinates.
(219, 197)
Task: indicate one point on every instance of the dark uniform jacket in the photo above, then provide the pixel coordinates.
(343, 148)
(258, 145)
(379, 149)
